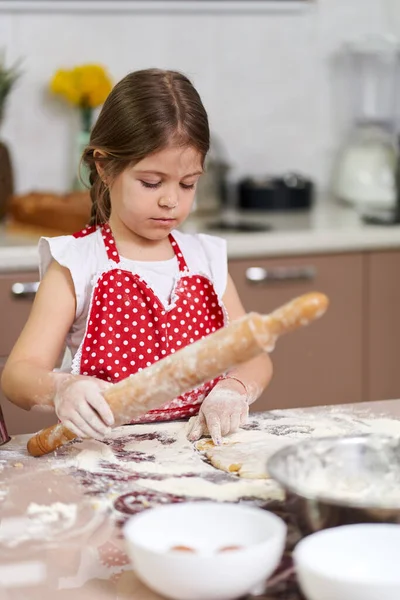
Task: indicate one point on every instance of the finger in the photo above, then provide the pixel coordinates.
(89, 431)
(197, 429)
(235, 421)
(214, 428)
(190, 424)
(92, 419)
(103, 385)
(244, 415)
(225, 424)
(73, 428)
(97, 401)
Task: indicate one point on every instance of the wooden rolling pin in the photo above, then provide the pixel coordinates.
(193, 365)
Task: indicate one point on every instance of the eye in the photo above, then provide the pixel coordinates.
(186, 186)
(152, 186)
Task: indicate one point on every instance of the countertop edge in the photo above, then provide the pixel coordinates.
(312, 243)
(253, 246)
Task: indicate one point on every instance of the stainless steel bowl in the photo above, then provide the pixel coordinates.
(340, 480)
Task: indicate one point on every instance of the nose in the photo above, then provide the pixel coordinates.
(168, 202)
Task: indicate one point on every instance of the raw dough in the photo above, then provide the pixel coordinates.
(244, 453)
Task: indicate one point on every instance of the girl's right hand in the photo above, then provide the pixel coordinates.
(80, 405)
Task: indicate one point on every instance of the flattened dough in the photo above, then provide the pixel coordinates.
(244, 453)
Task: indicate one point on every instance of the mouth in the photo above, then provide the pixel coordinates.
(164, 221)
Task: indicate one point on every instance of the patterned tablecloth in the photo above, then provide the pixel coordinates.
(98, 566)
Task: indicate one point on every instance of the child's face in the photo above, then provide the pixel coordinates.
(156, 195)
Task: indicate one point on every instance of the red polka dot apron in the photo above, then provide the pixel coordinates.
(128, 328)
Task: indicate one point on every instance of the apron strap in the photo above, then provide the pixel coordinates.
(85, 231)
(109, 243)
(112, 252)
(181, 261)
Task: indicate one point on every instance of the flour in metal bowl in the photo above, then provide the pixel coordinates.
(358, 471)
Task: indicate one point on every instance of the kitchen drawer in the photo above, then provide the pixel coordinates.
(23, 421)
(322, 363)
(15, 305)
(383, 326)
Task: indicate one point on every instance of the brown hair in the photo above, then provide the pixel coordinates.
(145, 112)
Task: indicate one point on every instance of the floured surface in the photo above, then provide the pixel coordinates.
(158, 457)
(246, 452)
(139, 466)
(41, 522)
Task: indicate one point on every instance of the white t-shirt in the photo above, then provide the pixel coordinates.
(86, 259)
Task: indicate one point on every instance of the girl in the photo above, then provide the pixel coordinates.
(131, 288)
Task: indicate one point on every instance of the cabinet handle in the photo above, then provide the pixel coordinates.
(24, 290)
(260, 275)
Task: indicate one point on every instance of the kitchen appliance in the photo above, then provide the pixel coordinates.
(391, 216)
(211, 189)
(365, 168)
(193, 365)
(292, 191)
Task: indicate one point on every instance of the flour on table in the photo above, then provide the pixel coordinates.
(163, 460)
(157, 457)
(198, 487)
(40, 522)
(93, 454)
(157, 448)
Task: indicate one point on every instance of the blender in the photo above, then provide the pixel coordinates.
(365, 169)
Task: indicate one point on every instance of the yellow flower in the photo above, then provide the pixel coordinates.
(63, 85)
(85, 85)
(94, 84)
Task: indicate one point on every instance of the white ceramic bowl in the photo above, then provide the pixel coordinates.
(206, 527)
(351, 562)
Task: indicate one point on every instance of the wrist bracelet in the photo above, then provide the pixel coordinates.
(239, 381)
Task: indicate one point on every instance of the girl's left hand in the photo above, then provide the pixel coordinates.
(223, 411)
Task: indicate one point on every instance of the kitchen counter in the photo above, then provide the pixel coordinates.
(123, 481)
(329, 228)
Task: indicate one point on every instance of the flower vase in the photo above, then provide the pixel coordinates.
(81, 173)
(6, 179)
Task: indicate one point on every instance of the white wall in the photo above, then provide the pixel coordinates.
(265, 79)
